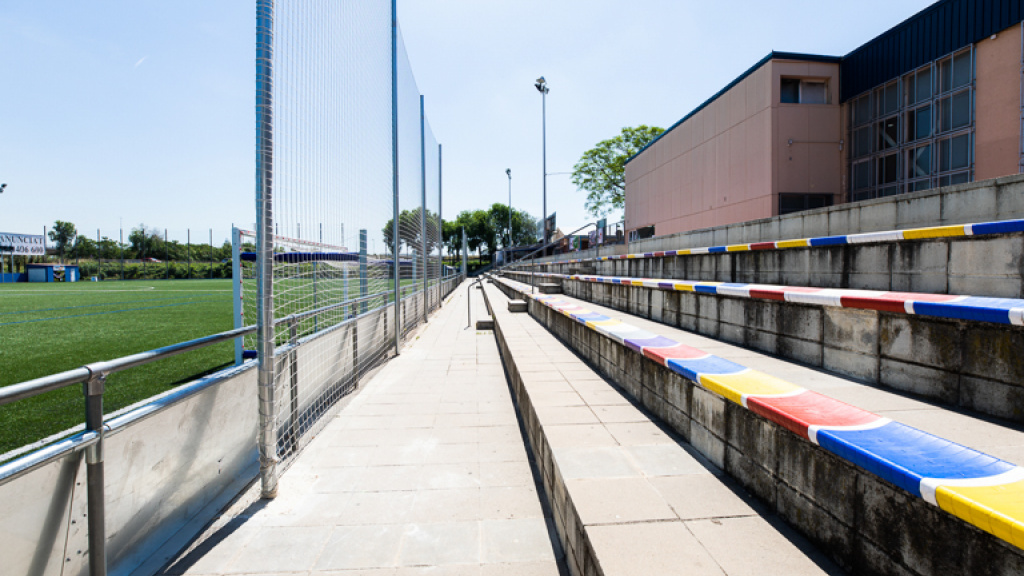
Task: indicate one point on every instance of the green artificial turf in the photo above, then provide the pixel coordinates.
(52, 327)
(49, 328)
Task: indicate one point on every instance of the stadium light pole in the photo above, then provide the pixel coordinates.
(542, 86)
(508, 172)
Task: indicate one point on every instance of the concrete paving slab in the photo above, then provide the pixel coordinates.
(595, 462)
(762, 545)
(635, 500)
(664, 548)
(703, 495)
(423, 472)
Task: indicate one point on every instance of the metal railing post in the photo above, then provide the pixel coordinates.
(293, 367)
(96, 508)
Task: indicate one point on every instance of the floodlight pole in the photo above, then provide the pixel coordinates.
(440, 226)
(542, 87)
(267, 427)
(508, 172)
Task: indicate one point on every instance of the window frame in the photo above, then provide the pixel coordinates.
(910, 105)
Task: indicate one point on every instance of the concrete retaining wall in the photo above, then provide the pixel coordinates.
(977, 266)
(996, 199)
(973, 365)
(866, 524)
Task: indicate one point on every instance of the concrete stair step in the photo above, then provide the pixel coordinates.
(742, 410)
(629, 496)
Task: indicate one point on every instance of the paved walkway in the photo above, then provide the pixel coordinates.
(424, 472)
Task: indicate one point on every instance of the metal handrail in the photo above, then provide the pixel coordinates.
(545, 247)
(30, 388)
(483, 275)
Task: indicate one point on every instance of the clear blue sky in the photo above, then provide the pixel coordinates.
(143, 110)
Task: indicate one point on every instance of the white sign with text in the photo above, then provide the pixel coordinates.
(22, 244)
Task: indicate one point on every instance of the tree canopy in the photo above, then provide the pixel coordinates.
(490, 229)
(63, 235)
(601, 171)
(409, 233)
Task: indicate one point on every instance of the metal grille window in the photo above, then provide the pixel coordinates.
(916, 132)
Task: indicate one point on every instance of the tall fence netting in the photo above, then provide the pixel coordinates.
(335, 264)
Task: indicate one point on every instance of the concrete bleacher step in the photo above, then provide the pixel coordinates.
(957, 349)
(866, 474)
(628, 495)
(550, 287)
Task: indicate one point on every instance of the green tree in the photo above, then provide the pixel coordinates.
(83, 248)
(410, 231)
(601, 171)
(146, 242)
(524, 226)
(63, 235)
(451, 236)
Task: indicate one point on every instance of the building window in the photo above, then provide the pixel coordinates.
(789, 203)
(641, 233)
(919, 123)
(888, 133)
(862, 110)
(799, 91)
(917, 131)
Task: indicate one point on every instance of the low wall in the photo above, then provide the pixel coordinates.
(978, 266)
(165, 476)
(969, 364)
(866, 524)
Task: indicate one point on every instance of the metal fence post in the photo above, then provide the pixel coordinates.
(364, 286)
(423, 205)
(236, 290)
(293, 368)
(394, 174)
(440, 230)
(267, 432)
(96, 509)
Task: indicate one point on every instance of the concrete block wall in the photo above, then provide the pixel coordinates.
(864, 523)
(986, 200)
(969, 364)
(976, 266)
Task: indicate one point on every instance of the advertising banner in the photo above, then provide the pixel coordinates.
(22, 244)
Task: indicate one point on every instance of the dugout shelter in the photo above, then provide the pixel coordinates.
(53, 273)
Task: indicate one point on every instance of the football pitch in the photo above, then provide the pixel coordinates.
(49, 328)
(53, 327)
